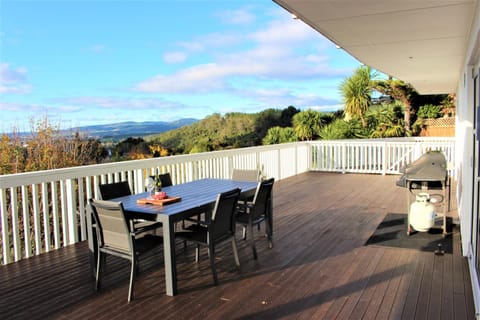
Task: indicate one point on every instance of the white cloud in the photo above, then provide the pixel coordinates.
(36, 108)
(174, 57)
(330, 107)
(277, 97)
(13, 107)
(97, 48)
(286, 31)
(12, 80)
(238, 17)
(114, 103)
(266, 55)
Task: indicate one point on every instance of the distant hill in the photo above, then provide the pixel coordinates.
(217, 132)
(122, 130)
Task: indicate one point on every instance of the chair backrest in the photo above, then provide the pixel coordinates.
(262, 197)
(223, 215)
(114, 231)
(165, 178)
(246, 175)
(114, 190)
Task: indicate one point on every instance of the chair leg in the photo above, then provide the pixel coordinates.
(133, 271)
(244, 235)
(99, 265)
(197, 253)
(235, 251)
(269, 233)
(252, 241)
(211, 253)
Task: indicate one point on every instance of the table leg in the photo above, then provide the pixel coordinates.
(169, 257)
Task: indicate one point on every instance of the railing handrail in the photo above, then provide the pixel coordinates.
(44, 210)
(32, 177)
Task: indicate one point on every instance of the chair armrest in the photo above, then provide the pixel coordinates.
(203, 222)
(244, 207)
(141, 228)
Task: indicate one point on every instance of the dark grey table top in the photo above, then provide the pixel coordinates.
(196, 196)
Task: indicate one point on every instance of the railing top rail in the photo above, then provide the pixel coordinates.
(18, 179)
(15, 180)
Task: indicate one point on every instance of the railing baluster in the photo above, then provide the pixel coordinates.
(81, 209)
(63, 210)
(46, 217)
(71, 212)
(5, 228)
(55, 214)
(27, 243)
(17, 245)
(37, 229)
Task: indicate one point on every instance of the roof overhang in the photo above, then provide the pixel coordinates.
(422, 42)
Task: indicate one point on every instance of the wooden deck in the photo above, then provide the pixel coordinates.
(319, 268)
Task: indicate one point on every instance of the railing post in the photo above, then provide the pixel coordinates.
(344, 157)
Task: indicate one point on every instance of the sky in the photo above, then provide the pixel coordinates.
(91, 62)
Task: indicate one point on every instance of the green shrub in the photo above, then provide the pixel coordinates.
(429, 111)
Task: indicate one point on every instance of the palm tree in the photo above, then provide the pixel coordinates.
(400, 91)
(307, 124)
(278, 134)
(385, 122)
(356, 93)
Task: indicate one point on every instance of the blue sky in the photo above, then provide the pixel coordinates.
(93, 62)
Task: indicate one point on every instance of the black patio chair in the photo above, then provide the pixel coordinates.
(114, 190)
(257, 211)
(218, 226)
(117, 236)
(165, 179)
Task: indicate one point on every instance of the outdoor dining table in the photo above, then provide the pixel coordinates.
(196, 197)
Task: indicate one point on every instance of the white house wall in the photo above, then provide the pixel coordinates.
(464, 146)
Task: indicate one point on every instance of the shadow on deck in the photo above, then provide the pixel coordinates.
(318, 268)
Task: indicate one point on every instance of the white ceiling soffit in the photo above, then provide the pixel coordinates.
(421, 42)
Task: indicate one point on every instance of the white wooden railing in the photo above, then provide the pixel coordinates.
(45, 210)
(383, 156)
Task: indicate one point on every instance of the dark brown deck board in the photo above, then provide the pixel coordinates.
(318, 268)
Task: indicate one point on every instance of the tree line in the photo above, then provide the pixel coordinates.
(47, 148)
(362, 117)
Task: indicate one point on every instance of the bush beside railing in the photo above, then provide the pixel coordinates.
(45, 210)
